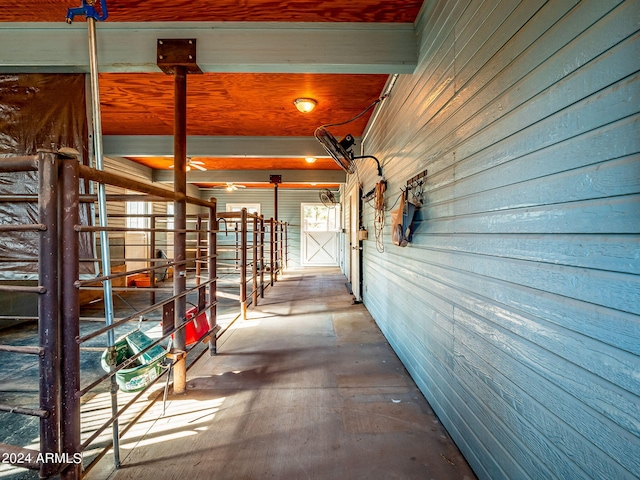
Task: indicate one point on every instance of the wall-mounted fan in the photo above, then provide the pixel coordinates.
(327, 198)
(342, 151)
(191, 164)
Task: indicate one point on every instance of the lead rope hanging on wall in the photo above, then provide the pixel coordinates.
(381, 187)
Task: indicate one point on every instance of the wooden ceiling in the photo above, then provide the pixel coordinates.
(232, 104)
(244, 104)
(380, 11)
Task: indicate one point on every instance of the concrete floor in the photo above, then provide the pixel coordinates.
(306, 388)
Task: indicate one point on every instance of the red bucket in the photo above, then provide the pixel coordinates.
(196, 328)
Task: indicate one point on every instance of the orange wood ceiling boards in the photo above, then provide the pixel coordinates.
(386, 11)
(238, 104)
(165, 163)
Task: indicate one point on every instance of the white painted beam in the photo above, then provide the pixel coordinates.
(204, 146)
(222, 46)
(251, 176)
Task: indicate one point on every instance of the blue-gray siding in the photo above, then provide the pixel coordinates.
(516, 307)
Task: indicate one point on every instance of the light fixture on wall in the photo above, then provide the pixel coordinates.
(305, 105)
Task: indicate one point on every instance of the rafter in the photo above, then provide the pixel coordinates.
(222, 146)
(239, 176)
(222, 46)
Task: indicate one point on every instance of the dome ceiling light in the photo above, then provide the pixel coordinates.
(305, 105)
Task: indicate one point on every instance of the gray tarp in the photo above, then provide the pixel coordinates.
(38, 111)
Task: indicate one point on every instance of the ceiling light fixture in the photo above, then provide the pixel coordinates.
(305, 105)
(310, 160)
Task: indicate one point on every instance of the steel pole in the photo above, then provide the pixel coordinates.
(254, 259)
(102, 214)
(262, 256)
(243, 263)
(70, 308)
(213, 267)
(48, 309)
(180, 222)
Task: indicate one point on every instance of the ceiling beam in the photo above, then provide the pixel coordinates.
(222, 146)
(270, 47)
(253, 176)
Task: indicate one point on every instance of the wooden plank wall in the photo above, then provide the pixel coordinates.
(516, 308)
(289, 201)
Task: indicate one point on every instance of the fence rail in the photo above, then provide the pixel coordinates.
(251, 262)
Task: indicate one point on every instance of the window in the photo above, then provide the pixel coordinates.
(137, 208)
(320, 218)
(237, 207)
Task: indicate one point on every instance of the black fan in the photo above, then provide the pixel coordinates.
(327, 198)
(341, 151)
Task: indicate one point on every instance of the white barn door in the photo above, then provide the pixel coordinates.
(320, 228)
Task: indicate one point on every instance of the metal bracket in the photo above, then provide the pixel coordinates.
(177, 52)
(89, 11)
(416, 181)
(176, 355)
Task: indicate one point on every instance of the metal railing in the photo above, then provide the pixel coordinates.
(68, 328)
(250, 248)
(63, 391)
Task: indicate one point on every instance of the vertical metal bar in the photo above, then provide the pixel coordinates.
(271, 250)
(48, 307)
(180, 237)
(198, 248)
(213, 273)
(70, 313)
(262, 256)
(237, 249)
(286, 246)
(281, 247)
(102, 214)
(254, 269)
(152, 254)
(275, 201)
(276, 246)
(243, 263)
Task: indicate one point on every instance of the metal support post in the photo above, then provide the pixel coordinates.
(70, 308)
(154, 263)
(48, 308)
(180, 236)
(254, 255)
(286, 246)
(272, 264)
(281, 245)
(243, 263)
(92, 15)
(198, 248)
(178, 57)
(262, 256)
(213, 274)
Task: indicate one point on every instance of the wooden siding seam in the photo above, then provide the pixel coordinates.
(612, 427)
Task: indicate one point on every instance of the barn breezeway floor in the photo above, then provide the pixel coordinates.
(306, 388)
